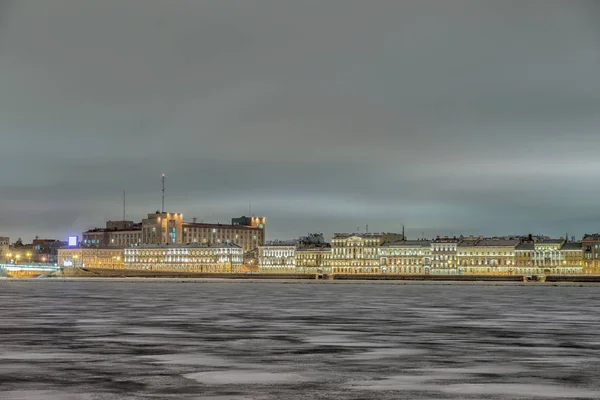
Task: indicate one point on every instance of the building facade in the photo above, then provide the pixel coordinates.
(313, 259)
(412, 257)
(443, 252)
(358, 253)
(91, 258)
(119, 234)
(195, 257)
(487, 257)
(277, 258)
(572, 259)
(591, 253)
(245, 236)
(162, 228)
(547, 257)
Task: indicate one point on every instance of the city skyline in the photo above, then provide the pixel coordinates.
(462, 117)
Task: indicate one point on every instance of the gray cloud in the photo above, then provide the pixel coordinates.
(447, 116)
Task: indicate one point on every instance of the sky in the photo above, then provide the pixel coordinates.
(447, 116)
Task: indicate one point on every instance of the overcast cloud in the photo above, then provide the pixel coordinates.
(448, 116)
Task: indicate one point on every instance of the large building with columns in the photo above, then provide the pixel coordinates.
(359, 253)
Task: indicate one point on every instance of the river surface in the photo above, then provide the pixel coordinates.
(244, 340)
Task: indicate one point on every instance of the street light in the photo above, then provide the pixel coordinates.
(18, 256)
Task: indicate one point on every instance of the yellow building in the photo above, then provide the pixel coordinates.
(221, 258)
(524, 259)
(358, 253)
(247, 237)
(591, 253)
(406, 257)
(90, 258)
(313, 260)
(572, 259)
(486, 257)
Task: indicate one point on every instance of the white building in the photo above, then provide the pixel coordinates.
(277, 257)
(195, 257)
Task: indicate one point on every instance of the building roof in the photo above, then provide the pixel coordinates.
(551, 241)
(525, 246)
(227, 226)
(281, 243)
(407, 243)
(498, 242)
(572, 246)
(446, 239)
(468, 242)
(133, 228)
(186, 246)
(592, 236)
(357, 234)
(307, 249)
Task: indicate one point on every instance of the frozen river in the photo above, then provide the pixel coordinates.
(219, 341)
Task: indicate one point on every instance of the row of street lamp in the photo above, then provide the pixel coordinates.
(17, 257)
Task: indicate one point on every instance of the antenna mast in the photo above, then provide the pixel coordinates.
(163, 193)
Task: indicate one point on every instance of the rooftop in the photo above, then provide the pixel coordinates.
(498, 242)
(572, 246)
(186, 246)
(207, 225)
(407, 243)
(525, 246)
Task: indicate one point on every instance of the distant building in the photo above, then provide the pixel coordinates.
(546, 256)
(162, 228)
(277, 257)
(492, 256)
(116, 234)
(224, 258)
(91, 258)
(4, 245)
(572, 258)
(358, 253)
(443, 252)
(406, 257)
(591, 253)
(248, 236)
(169, 228)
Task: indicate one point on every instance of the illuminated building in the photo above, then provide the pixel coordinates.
(162, 228)
(486, 257)
(118, 234)
(572, 258)
(443, 252)
(277, 257)
(4, 246)
(313, 259)
(195, 257)
(246, 232)
(524, 258)
(358, 253)
(546, 255)
(591, 253)
(91, 258)
(405, 257)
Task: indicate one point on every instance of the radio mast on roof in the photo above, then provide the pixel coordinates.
(163, 193)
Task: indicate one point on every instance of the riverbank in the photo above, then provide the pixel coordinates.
(172, 280)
